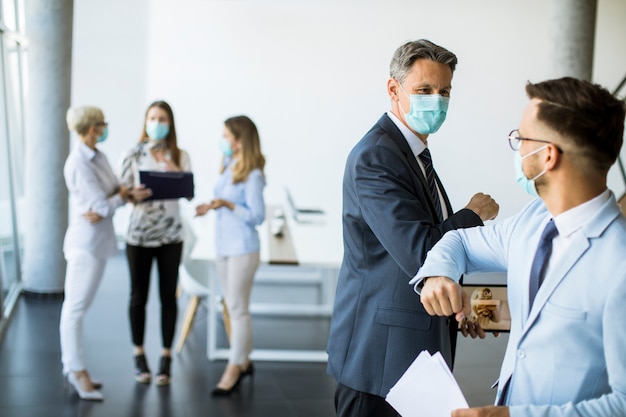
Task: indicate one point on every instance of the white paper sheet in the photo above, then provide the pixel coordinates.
(427, 388)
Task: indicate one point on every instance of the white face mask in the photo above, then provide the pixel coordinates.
(527, 184)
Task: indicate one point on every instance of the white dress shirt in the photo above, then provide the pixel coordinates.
(417, 147)
(92, 185)
(570, 222)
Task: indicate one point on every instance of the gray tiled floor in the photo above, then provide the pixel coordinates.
(30, 372)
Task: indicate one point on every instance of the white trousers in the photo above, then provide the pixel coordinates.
(82, 277)
(236, 274)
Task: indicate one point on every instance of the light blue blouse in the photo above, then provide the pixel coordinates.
(236, 232)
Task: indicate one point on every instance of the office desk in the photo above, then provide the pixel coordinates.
(318, 250)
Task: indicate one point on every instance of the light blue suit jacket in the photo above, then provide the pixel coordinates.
(566, 356)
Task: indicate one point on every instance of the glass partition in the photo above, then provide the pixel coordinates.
(11, 150)
(9, 14)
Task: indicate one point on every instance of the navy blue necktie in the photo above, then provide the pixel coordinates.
(538, 269)
(430, 177)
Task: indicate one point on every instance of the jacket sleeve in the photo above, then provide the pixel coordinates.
(470, 250)
(83, 183)
(396, 209)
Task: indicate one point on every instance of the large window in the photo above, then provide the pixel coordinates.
(12, 50)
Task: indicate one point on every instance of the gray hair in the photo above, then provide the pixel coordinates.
(80, 119)
(407, 54)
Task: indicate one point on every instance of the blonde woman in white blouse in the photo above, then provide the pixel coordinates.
(90, 239)
(154, 233)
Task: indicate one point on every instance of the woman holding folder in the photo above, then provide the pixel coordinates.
(154, 232)
(95, 194)
(239, 209)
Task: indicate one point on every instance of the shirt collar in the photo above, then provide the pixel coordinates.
(575, 218)
(85, 151)
(415, 143)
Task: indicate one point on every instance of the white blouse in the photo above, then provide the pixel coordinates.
(92, 185)
(156, 222)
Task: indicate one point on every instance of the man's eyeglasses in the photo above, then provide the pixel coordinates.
(105, 124)
(515, 141)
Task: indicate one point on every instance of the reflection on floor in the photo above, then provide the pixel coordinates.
(30, 371)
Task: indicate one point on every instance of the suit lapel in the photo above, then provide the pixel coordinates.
(574, 252)
(394, 133)
(556, 275)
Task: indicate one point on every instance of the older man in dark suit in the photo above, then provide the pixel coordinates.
(394, 210)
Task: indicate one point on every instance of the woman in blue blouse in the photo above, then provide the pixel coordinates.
(239, 209)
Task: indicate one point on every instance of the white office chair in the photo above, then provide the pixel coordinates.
(193, 280)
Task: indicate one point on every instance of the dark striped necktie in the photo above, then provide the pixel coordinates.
(430, 176)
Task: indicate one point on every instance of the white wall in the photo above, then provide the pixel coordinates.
(312, 75)
(610, 63)
(109, 70)
(109, 65)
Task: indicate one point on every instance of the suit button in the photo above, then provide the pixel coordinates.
(521, 353)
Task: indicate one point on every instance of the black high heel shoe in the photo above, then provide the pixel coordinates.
(163, 377)
(248, 371)
(142, 372)
(221, 392)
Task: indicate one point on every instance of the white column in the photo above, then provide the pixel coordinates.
(572, 33)
(49, 33)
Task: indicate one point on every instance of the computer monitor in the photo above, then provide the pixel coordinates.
(296, 211)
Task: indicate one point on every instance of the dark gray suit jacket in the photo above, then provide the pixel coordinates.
(389, 223)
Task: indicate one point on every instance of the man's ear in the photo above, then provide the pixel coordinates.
(553, 157)
(392, 89)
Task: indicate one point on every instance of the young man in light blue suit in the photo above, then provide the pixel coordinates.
(567, 296)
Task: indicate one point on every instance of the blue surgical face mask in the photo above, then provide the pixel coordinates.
(225, 147)
(427, 112)
(156, 130)
(104, 136)
(527, 184)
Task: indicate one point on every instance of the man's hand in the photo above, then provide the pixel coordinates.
(489, 411)
(484, 206)
(442, 296)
